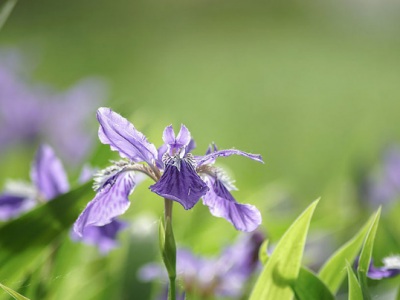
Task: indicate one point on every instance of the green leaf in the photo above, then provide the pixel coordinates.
(26, 240)
(13, 293)
(5, 11)
(309, 287)
(365, 256)
(263, 255)
(333, 271)
(283, 267)
(355, 292)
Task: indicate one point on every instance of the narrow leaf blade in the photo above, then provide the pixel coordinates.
(283, 267)
(355, 292)
(333, 271)
(309, 287)
(366, 254)
(13, 293)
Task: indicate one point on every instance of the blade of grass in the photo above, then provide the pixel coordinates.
(283, 267)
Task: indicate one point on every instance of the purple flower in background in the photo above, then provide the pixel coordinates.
(49, 180)
(33, 112)
(384, 186)
(104, 237)
(223, 276)
(390, 268)
(179, 175)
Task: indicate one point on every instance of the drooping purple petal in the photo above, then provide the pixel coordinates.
(244, 217)
(48, 174)
(110, 202)
(104, 237)
(209, 158)
(180, 182)
(12, 206)
(123, 137)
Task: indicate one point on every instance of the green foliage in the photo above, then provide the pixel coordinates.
(28, 239)
(332, 272)
(283, 267)
(355, 292)
(309, 287)
(365, 256)
(263, 255)
(13, 293)
(5, 11)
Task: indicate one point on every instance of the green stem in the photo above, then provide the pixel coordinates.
(171, 290)
(170, 248)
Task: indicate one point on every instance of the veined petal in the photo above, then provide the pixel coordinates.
(12, 206)
(123, 137)
(184, 136)
(244, 217)
(180, 182)
(210, 157)
(48, 174)
(169, 135)
(110, 202)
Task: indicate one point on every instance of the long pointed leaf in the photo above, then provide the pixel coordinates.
(355, 292)
(283, 267)
(309, 287)
(13, 293)
(25, 240)
(365, 256)
(333, 271)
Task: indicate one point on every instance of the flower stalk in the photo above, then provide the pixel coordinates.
(168, 247)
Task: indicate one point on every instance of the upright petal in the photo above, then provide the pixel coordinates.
(48, 174)
(123, 137)
(12, 206)
(180, 182)
(244, 217)
(110, 202)
(181, 142)
(210, 157)
(184, 136)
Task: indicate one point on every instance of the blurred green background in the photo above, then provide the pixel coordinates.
(311, 86)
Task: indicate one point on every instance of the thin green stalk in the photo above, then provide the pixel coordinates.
(169, 249)
(5, 11)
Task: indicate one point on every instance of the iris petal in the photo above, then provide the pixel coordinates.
(48, 174)
(210, 157)
(12, 206)
(180, 183)
(104, 237)
(110, 201)
(244, 217)
(123, 137)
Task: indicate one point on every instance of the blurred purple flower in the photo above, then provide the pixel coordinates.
(179, 175)
(384, 186)
(31, 112)
(390, 268)
(104, 237)
(223, 276)
(48, 181)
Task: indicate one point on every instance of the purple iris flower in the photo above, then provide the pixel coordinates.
(49, 180)
(33, 112)
(384, 186)
(179, 175)
(390, 268)
(223, 276)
